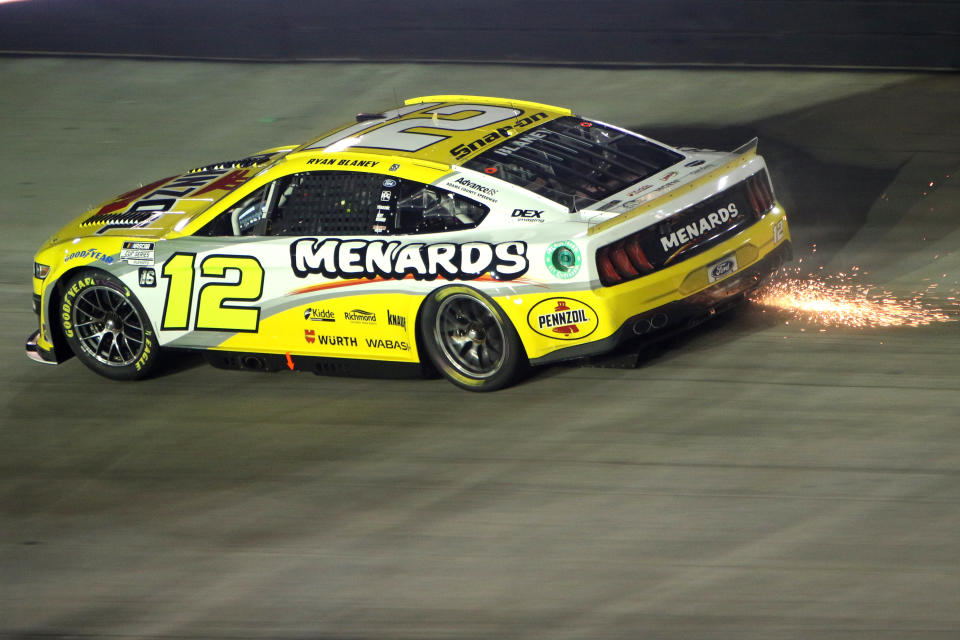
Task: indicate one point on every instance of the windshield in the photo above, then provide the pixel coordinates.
(574, 162)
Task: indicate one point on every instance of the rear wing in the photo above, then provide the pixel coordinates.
(739, 157)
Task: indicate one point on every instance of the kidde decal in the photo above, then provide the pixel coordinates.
(562, 319)
(335, 258)
(319, 315)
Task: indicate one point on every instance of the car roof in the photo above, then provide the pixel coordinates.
(439, 129)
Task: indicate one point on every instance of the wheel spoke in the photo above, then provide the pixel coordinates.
(114, 301)
(114, 346)
(130, 326)
(95, 310)
(493, 353)
(123, 341)
(99, 337)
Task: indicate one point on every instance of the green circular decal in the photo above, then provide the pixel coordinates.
(563, 259)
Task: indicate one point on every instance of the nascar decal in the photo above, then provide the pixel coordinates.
(562, 319)
(137, 253)
(335, 258)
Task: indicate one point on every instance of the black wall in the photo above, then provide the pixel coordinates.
(846, 33)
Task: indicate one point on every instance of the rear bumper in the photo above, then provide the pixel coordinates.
(680, 314)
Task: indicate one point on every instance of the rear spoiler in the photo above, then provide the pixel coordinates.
(741, 154)
(746, 148)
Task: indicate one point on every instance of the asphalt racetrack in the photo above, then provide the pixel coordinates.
(762, 477)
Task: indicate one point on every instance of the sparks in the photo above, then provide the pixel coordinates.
(831, 301)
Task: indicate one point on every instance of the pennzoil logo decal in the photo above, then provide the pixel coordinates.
(562, 319)
(335, 258)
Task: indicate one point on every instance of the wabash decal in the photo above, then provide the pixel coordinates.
(562, 319)
(336, 258)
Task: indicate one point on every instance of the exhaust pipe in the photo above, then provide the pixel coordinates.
(253, 362)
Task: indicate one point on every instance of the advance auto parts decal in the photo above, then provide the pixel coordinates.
(563, 319)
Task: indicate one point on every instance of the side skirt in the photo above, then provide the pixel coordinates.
(321, 366)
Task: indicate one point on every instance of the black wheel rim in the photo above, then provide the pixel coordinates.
(470, 336)
(108, 327)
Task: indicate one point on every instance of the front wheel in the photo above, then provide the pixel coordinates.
(107, 328)
(470, 340)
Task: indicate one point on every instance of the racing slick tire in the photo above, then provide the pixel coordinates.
(107, 328)
(470, 340)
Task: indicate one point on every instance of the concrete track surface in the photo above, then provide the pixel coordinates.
(753, 479)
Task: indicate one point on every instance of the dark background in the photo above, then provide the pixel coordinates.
(920, 34)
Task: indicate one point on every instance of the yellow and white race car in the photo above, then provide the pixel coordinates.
(475, 235)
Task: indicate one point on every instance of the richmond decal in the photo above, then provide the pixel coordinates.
(335, 258)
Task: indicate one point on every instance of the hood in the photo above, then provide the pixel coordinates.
(163, 207)
(154, 210)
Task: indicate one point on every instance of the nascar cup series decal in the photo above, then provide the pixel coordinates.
(562, 319)
(335, 258)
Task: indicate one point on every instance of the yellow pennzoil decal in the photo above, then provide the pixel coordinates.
(563, 318)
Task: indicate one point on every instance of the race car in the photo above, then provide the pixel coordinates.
(474, 235)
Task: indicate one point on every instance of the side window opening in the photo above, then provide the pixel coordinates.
(346, 203)
(427, 209)
(326, 203)
(242, 218)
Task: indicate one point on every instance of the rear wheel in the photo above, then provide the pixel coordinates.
(470, 340)
(107, 328)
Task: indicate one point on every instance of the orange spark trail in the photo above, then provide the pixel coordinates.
(823, 302)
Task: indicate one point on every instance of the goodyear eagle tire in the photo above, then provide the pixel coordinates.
(470, 340)
(106, 327)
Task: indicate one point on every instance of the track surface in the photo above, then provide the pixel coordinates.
(750, 480)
